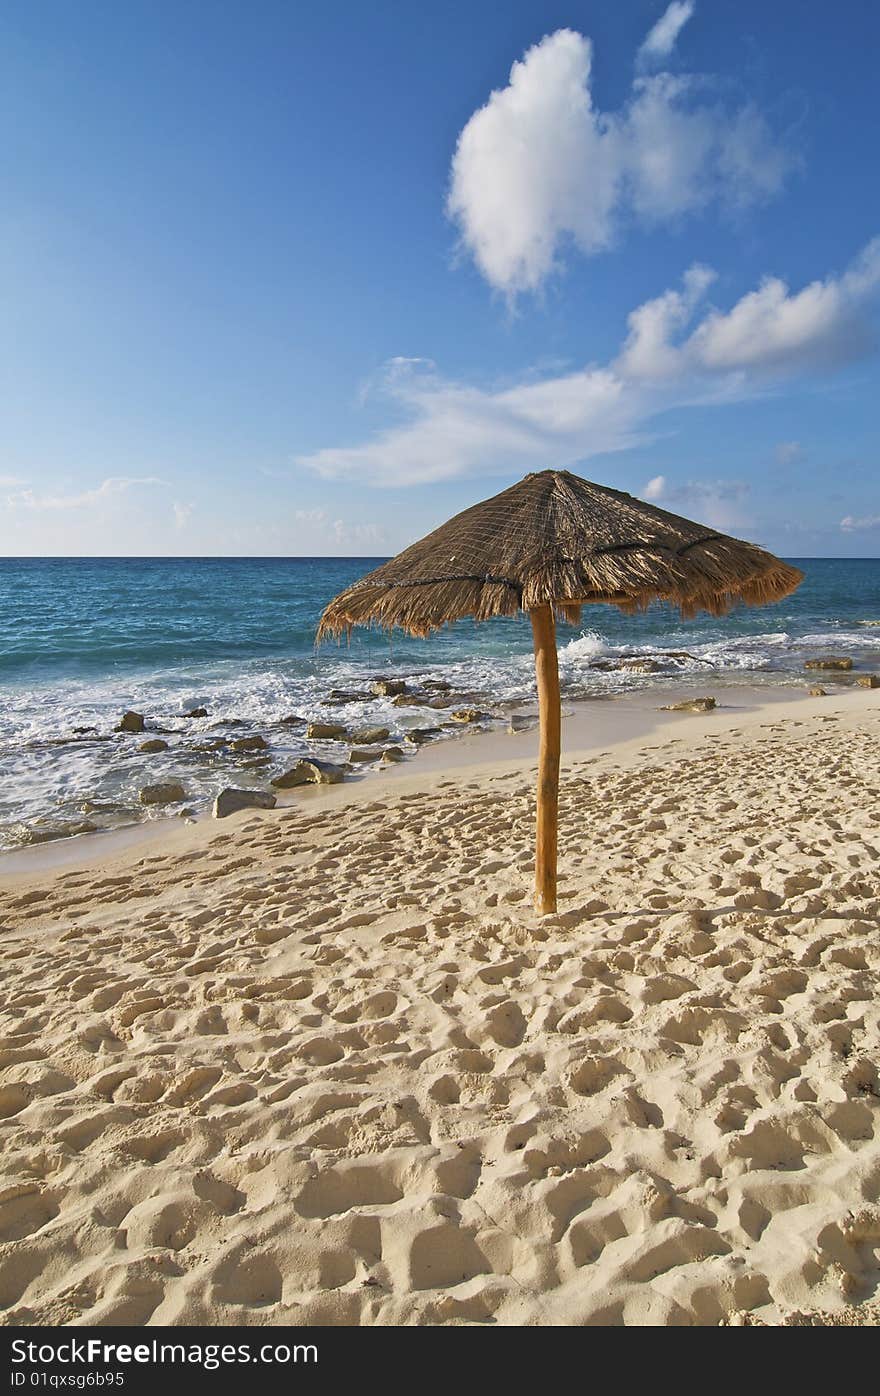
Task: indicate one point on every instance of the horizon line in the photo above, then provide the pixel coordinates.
(316, 557)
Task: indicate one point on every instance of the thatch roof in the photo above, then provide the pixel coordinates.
(556, 538)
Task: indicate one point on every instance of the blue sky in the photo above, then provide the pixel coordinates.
(280, 278)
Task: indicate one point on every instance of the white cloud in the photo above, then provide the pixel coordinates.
(661, 39)
(182, 514)
(109, 489)
(363, 535)
(866, 524)
(649, 351)
(540, 167)
(455, 429)
(339, 532)
(821, 326)
(715, 502)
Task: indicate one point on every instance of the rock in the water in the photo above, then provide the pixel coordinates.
(368, 736)
(632, 665)
(325, 731)
(168, 792)
(131, 722)
(230, 800)
(690, 705)
(47, 832)
(339, 697)
(409, 700)
(817, 692)
(249, 744)
(468, 715)
(154, 744)
(357, 755)
(310, 772)
(418, 735)
(438, 685)
(830, 661)
(391, 755)
(867, 681)
(294, 720)
(387, 688)
(197, 712)
(641, 666)
(215, 744)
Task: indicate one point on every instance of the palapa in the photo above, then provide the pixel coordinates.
(551, 544)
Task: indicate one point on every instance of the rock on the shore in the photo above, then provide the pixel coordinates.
(418, 735)
(325, 731)
(310, 772)
(387, 688)
(131, 722)
(154, 744)
(168, 792)
(830, 661)
(197, 712)
(368, 736)
(867, 681)
(391, 755)
(249, 744)
(817, 692)
(468, 715)
(230, 800)
(690, 705)
(357, 755)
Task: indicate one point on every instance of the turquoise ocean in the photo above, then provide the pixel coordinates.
(82, 640)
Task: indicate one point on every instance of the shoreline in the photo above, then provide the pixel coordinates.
(587, 726)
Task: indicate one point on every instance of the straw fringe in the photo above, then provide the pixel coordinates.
(559, 539)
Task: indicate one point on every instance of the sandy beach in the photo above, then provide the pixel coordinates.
(323, 1064)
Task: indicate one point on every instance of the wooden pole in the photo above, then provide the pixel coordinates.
(550, 716)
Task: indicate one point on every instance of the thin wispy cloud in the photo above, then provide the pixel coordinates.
(679, 351)
(787, 452)
(109, 489)
(539, 169)
(662, 38)
(340, 532)
(868, 523)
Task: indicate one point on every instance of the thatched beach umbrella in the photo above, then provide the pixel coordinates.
(553, 543)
